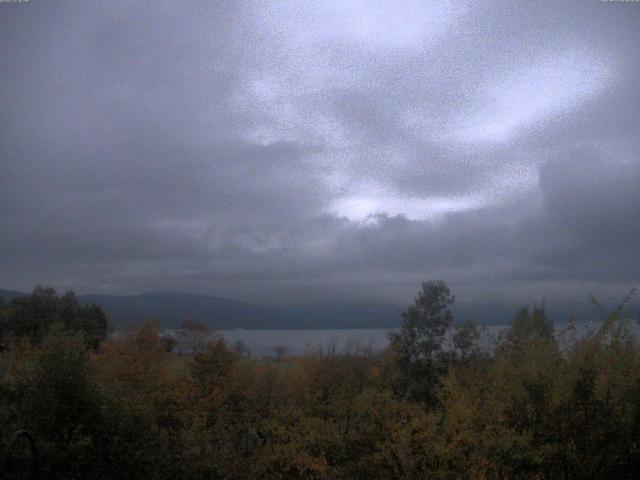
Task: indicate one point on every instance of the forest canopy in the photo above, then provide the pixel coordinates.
(437, 403)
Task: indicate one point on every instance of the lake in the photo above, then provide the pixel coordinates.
(297, 342)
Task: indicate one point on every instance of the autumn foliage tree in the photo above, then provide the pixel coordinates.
(418, 344)
(192, 335)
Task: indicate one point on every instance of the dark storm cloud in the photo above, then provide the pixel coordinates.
(285, 152)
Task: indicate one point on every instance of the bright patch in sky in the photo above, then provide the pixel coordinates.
(361, 208)
(528, 96)
(508, 182)
(373, 24)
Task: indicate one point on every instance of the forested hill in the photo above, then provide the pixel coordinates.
(7, 295)
(170, 308)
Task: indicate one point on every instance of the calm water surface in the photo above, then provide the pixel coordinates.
(298, 342)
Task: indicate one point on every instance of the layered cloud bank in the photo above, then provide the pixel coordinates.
(289, 152)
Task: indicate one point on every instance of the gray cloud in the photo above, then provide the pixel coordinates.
(288, 152)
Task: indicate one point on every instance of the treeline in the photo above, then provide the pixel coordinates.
(529, 407)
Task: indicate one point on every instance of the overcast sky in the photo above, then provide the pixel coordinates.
(321, 151)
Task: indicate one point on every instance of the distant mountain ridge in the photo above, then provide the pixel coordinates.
(170, 308)
(10, 294)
